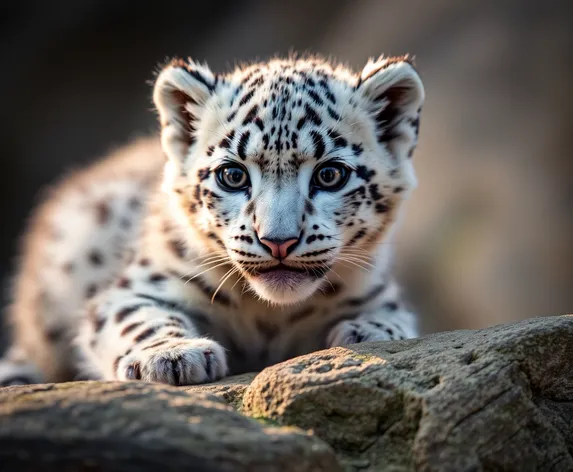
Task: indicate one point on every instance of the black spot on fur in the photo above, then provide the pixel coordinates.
(122, 314)
(337, 140)
(204, 173)
(91, 290)
(372, 294)
(318, 141)
(130, 327)
(145, 334)
(364, 173)
(315, 97)
(357, 149)
(95, 257)
(178, 248)
(124, 282)
(335, 116)
(382, 207)
(251, 115)
(294, 140)
(374, 193)
(312, 115)
(103, 213)
(309, 207)
(161, 342)
(357, 236)
(390, 306)
(200, 78)
(157, 277)
(56, 334)
(116, 364)
(247, 97)
(243, 143)
(250, 208)
(227, 140)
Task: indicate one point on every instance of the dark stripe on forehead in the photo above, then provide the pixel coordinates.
(318, 141)
(243, 143)
(312, 115)
(338, 140)
(315, 97)
(227, 140)
(327, 91)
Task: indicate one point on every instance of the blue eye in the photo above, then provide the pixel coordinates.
(233, 177)
(331, 177)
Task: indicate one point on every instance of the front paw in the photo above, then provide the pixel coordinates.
(359, 331)
(189, 362)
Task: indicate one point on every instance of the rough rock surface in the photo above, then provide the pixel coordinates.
(494, 399)
(488, 400)
(230, 390)
(90, 426)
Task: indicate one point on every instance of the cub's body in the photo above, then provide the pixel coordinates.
(257, 231)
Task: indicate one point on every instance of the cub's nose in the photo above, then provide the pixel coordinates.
(279, 248)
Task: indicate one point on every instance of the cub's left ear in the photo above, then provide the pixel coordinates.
(180, 93)
(394, 95)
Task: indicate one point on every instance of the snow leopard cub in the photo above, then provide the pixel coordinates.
(255, 232)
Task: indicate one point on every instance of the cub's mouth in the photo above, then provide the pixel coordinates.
(286, 273)
(280, 267)
(284, 284)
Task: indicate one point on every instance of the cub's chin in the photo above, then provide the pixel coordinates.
(283, 286)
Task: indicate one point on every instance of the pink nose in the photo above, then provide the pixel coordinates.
(279, 248)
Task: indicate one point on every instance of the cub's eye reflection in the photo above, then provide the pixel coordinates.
(331, 177)
(233, 177)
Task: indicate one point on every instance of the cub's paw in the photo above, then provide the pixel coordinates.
(360, 331)
(189, 362)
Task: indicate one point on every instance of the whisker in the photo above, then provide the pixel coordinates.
(358, 259)
(354, 264)
(207, 270)
(225, 277)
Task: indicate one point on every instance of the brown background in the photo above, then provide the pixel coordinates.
(488, 237)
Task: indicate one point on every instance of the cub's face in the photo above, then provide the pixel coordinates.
(291, 168)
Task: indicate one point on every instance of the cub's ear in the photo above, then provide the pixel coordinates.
(394, 95)
(180, 93)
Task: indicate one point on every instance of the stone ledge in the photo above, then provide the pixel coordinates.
(494, 399)
(143, 427)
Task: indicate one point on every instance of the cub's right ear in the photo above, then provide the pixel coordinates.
(180, 93)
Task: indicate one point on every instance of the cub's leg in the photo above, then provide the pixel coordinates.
(141, 329)
(389, 321)
(73, 246)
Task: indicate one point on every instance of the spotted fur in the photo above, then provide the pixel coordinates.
(160, 272)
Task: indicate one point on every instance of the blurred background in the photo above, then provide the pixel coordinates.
(488, 236)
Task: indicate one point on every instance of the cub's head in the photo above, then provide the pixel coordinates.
(292, 167)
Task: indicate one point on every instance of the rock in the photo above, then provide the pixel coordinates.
(230, 390)
(115, 426)
(494, 399)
